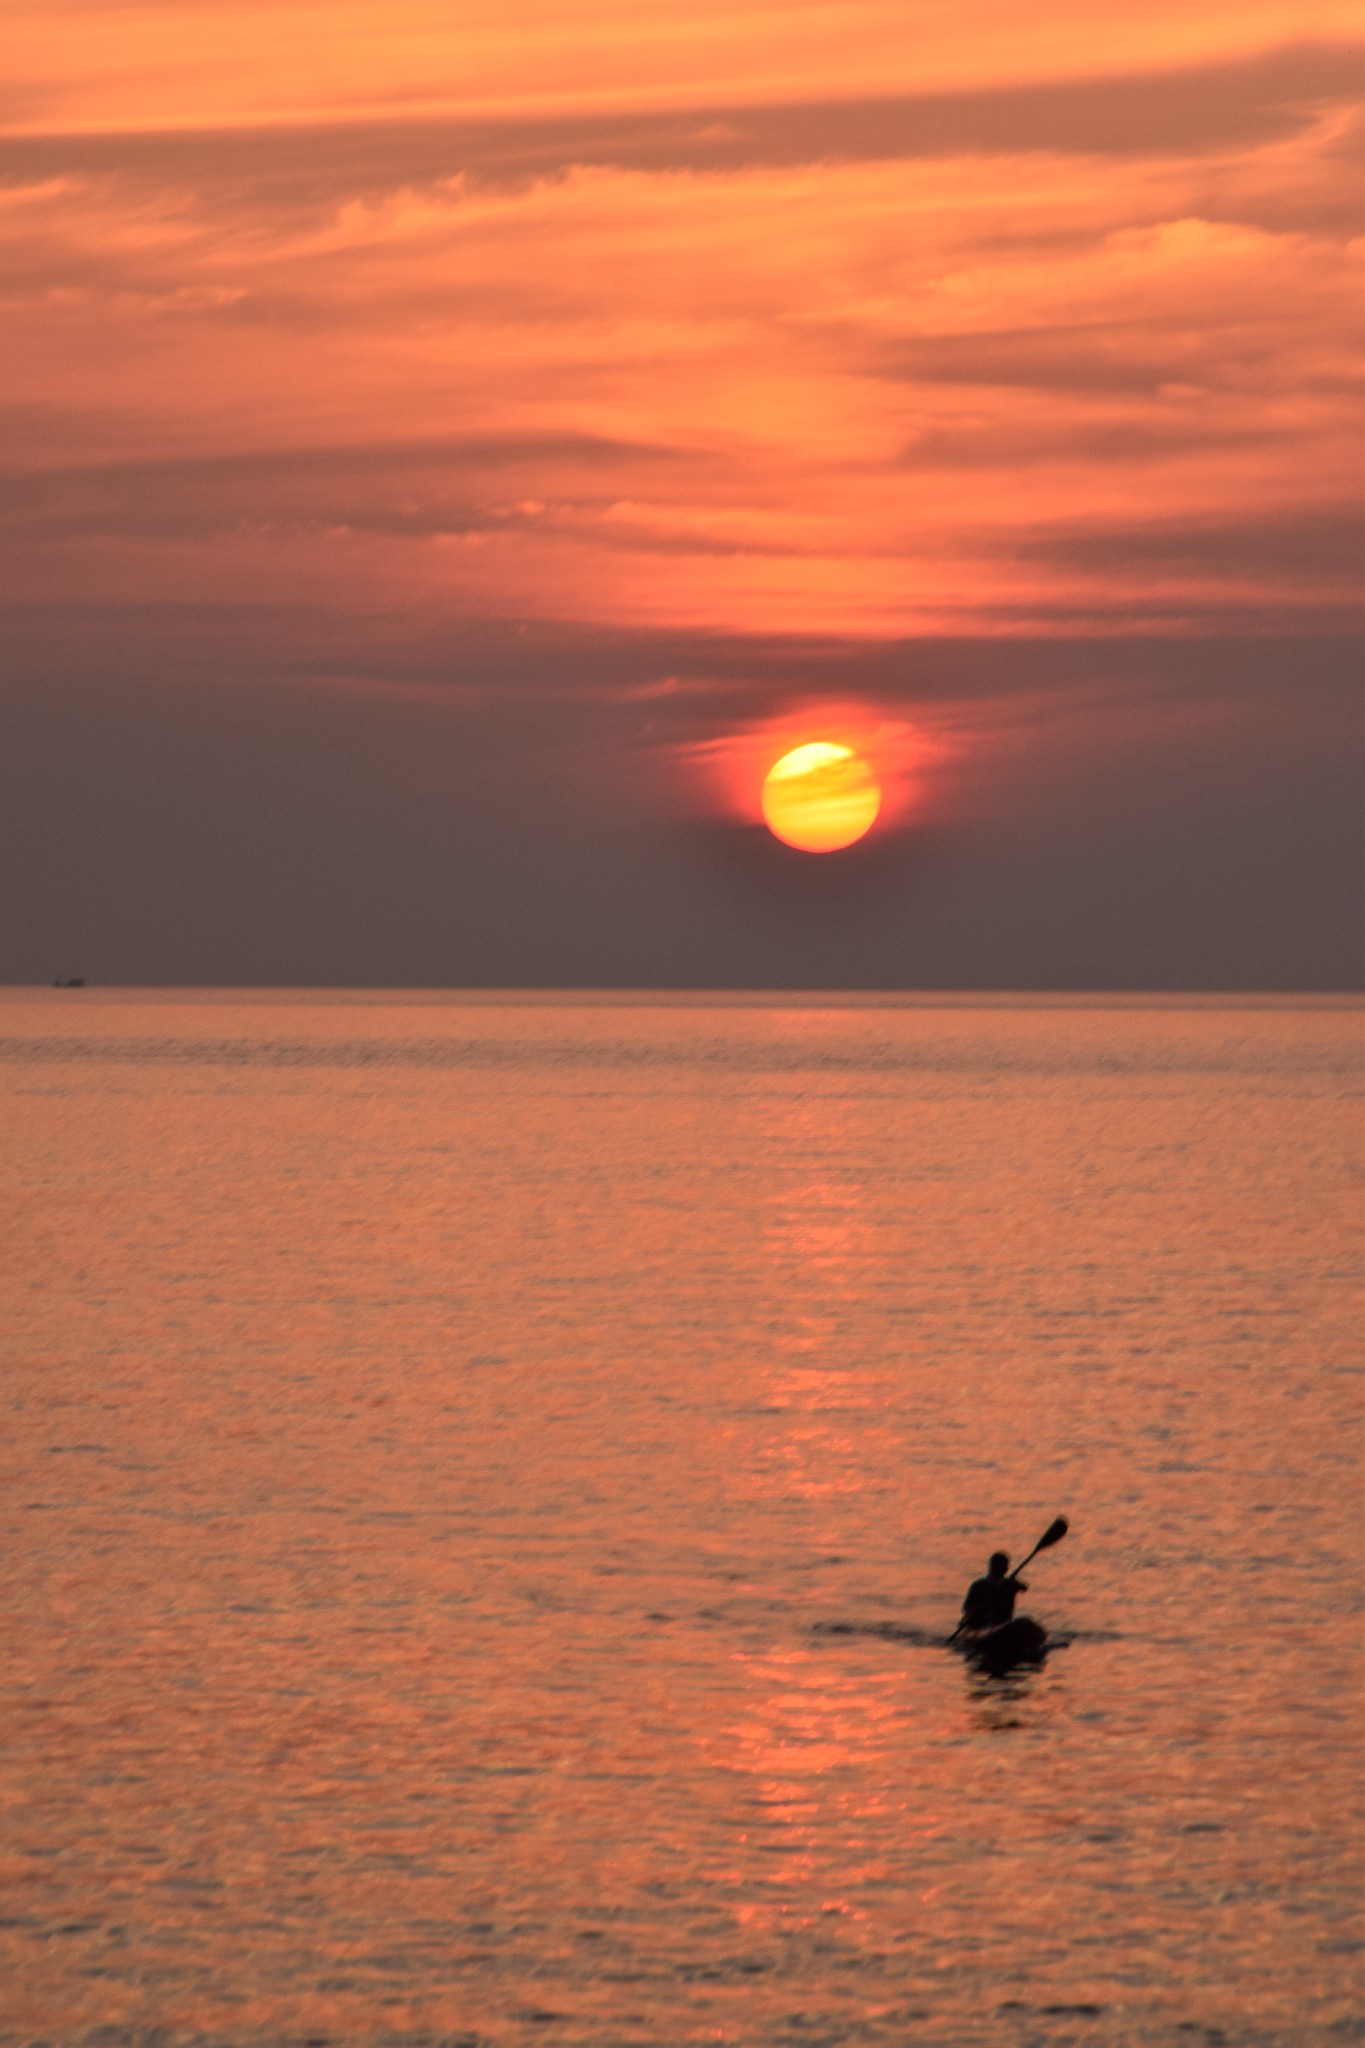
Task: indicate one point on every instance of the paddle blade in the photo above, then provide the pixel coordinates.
(1053, 1535)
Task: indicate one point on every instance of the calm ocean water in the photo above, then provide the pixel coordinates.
(438, 1434)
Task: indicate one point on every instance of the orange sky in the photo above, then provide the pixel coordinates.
(857, 323)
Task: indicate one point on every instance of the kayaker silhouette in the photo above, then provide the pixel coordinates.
(990, 1601)
(990, 1633)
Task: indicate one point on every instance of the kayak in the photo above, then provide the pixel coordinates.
(1021, 1641)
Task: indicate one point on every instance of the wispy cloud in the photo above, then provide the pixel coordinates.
(1200, 110)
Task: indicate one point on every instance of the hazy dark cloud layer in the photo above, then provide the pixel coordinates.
(234, 831)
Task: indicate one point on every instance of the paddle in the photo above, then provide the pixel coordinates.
(1053, 1533)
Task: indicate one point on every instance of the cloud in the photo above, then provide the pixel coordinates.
(1319, 546)
(400, 489)
(1234, 104)
(743, 399)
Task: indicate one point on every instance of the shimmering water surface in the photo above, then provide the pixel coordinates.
(437, 1430)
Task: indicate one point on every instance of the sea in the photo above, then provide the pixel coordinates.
(487, 1479)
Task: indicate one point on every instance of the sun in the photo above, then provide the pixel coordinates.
(820, 797)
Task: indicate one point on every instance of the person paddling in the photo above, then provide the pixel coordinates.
(990, 1601)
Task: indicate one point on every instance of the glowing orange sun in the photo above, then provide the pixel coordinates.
(820, 797)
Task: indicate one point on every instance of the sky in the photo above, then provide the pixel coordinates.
(449, 451)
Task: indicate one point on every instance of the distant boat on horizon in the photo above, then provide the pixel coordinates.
(69, 981)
